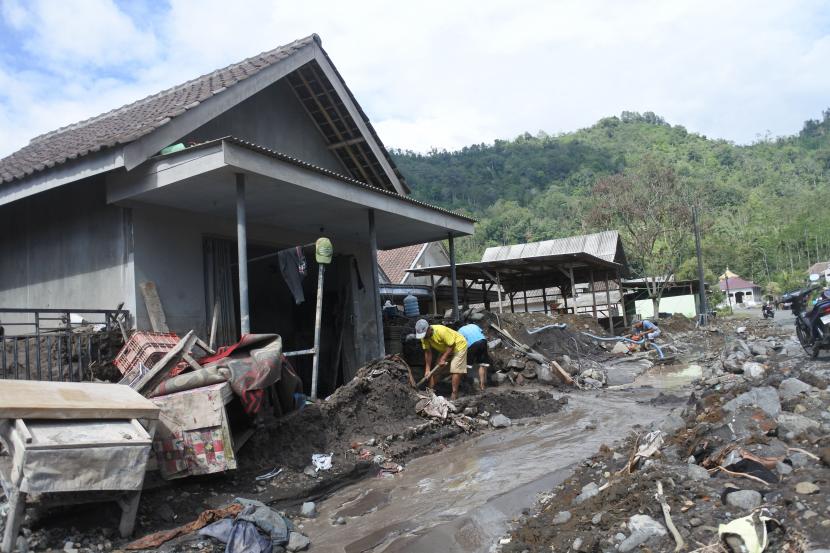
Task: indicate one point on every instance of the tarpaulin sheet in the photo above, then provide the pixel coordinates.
(255, 362)
(67, 456)
(193, 436)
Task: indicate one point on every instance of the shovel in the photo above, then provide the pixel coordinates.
(430, 373)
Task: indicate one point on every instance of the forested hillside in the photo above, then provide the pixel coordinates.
(764, 206)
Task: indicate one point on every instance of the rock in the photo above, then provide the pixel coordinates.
(339, 521)
(764, 397)
(697, 473)
(799, 460)
(309, 471)
(619, 347)
(545, 374)
(69, 547)
(791, 388)
(753, 370)
(561, 517)
(471, 411)
(297, 542)
(577, 544)
(493, 344)
(673, 422)
(597, 518)
(498, 377)
(758, 348)
(588, 491)
(740, 329)
(795, 424)
(695, 522)
(529, 372)
(476, 316)
(806, 488)
(22, 544)
(309, 509)
(515, 364)
(500, 421)
(643, 528)
(745, 500)
(783, 468)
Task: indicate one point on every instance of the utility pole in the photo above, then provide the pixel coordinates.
(704, 311)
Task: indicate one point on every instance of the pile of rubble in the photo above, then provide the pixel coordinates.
(744, 466)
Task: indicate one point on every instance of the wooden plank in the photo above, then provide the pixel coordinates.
(30, 399)
(158, 320)
(154, 377)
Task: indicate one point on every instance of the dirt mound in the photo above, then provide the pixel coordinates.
(516, 405)
(377, 402)
(552, 342)
(676, 323)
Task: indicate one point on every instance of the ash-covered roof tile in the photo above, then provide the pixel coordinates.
(130, 122)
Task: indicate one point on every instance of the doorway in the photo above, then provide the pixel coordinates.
(274, 309)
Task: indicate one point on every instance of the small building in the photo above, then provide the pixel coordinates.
(739, 292)
(569, 275)
(822, 269)
(680, 297)
(434, 294)
(196, 188)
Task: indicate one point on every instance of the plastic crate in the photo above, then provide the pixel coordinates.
(144, 348)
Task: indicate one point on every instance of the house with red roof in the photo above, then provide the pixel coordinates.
(739, 292)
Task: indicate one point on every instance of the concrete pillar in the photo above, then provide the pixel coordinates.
(242, 255)
(373, 247)
(453, 280)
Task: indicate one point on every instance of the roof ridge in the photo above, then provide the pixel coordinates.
(77, 125)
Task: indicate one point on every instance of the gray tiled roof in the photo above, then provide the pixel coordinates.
(128, 123)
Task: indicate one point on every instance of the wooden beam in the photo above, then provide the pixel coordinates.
(608, 305)
(593, 295)
(334, 128)
(573, 289)
(379, 180)
(348, 142)
(155, 311)
(545, 299)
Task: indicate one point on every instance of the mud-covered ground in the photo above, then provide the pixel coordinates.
(751, 440)
(367, 424)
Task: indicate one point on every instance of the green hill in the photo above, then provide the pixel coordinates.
(764, 205)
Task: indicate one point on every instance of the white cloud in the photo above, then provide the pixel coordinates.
(444, 74)
(80, 33)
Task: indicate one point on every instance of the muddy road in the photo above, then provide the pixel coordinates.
(463, 497)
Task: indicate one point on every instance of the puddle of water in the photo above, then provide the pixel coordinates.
(667, 377)
(460, 499)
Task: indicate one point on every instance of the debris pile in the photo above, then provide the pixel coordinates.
(743, 466)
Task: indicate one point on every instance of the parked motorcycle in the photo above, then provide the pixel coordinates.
(812, 323)
(767, 311)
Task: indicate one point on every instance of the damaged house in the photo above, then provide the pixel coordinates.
(196, 189)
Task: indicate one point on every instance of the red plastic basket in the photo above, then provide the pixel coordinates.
(145, 348)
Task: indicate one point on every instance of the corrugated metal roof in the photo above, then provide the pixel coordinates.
(602, 245)
(300, 163)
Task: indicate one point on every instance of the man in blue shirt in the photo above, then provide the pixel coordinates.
(477, 351)
(645, 329)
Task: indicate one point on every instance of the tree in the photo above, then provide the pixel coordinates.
(652, 209)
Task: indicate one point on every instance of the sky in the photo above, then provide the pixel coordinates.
(438, 74)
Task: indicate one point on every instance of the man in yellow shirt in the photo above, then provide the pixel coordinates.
(447, 342)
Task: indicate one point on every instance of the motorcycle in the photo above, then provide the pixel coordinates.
(767, 311)
(812, 324)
